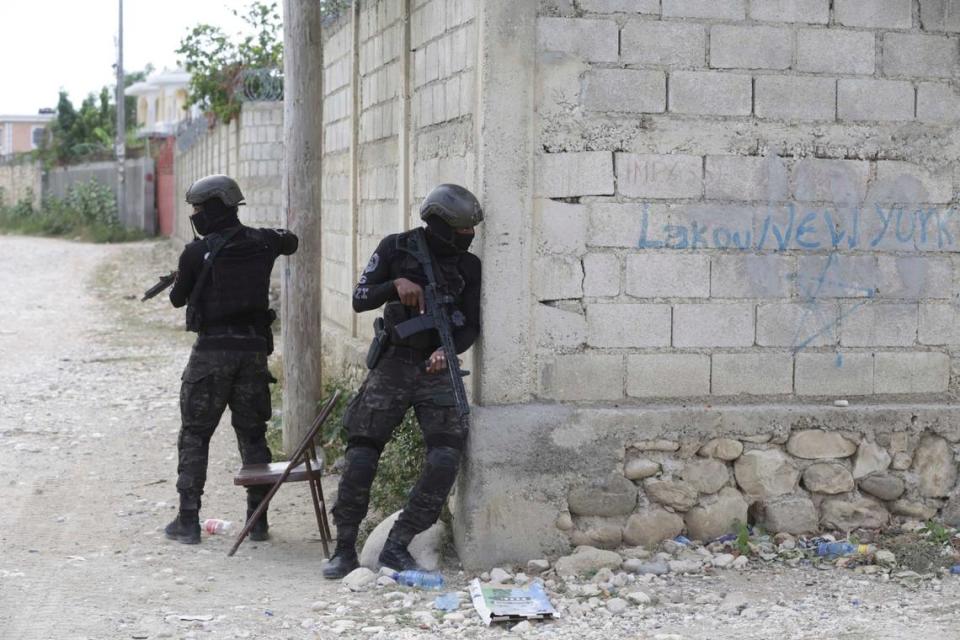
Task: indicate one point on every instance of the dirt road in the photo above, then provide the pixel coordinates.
(89, 378)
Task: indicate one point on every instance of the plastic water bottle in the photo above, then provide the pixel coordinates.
(842, 549)
(421, 579)
(215, 526)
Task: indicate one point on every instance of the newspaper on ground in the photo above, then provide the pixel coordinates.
(510, 603)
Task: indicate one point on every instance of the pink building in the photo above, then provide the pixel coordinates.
(19, 134)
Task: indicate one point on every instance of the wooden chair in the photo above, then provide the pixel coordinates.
(304, 465)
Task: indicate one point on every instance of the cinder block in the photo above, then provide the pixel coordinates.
(899, 182)
(798, 325)
(710, 93)
(868, 99)
(716, 9)
(834, 374)
(601, 275)
(837, 276)
(833, 181)
(751, 178)
(916, 372)
(582, 377)
(621, 6)
(796, 98)
(878, 324)
(809, 11)
(668, 375)
(939, 324)
(940, 15)
(558, 278)
(713, 325)
(628, 325)
(625, 90)
(751, 373)
(560, 328)
(880, 14)
(668, 275)
(908, 54)
(647, 175)
(741, 47)
(752, 276)
(676, 44)
(937, 102)
(563, 175)
(915, 277)
(621, 225)
(588, 39)
(560, 227)
(836, 51)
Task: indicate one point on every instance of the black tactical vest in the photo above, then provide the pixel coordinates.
(237, 293)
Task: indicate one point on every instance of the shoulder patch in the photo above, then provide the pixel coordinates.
(373, 264)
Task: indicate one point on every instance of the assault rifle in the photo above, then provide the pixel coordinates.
(163, 283)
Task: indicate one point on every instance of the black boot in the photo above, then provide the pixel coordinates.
(261, 528)
(344, 559)
(185, 528)
(395, 554)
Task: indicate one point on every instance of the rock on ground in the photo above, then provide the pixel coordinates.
(425, 547)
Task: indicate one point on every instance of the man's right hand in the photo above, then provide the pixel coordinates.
(411, 294)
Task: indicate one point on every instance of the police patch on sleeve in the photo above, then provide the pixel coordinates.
(373, 264)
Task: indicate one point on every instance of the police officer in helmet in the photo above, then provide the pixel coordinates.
(224, 280)
(410, 372)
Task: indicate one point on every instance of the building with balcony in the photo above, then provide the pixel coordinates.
(161, 102)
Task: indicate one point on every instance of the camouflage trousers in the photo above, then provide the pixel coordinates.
(397, 383)
(212, 381)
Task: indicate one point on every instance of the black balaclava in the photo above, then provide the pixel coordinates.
(214, 216)
(444, 240)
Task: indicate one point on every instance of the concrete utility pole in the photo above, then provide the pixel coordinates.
(121, 144)
(303, 150)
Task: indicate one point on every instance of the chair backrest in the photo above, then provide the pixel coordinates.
(307, 445)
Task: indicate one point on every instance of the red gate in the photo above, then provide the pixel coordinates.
(166, 186)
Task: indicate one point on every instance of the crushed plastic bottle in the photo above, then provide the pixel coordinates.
(447, 601)
(955, 569)
(421, 579)
(215, 526)
(831, 549)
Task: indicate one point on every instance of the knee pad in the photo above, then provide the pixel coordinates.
(445, 458)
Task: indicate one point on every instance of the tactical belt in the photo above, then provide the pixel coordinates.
(406, 354)
(230, 330)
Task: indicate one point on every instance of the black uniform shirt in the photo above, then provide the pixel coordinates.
(388, 263)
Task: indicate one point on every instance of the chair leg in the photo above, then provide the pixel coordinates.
(323, 511)
(314, 489)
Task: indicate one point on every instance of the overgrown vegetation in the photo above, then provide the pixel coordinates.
(88, 212)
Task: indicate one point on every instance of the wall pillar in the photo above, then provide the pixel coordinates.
(303, 151)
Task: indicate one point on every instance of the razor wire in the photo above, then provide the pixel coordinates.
(256, 85)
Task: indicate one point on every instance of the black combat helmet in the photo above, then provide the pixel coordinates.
(454, 205)
(215, 186)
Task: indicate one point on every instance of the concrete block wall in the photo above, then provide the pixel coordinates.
(18, 179)
(745, 199)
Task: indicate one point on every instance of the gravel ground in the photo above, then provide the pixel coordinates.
(88, 421)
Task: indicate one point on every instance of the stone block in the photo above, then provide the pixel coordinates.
(564, 175)
(647, 175)
(939, 324)
(901, 372)
(713, 325)
(624, 90)
(716, 515)
(559, 327)
(558, 277)
(651, 526)
(668, 275)
(668, 375)
(710, 9)
(788, 324)
(885, 486)
(752, 373)
(612, 496)
(751, 178)
(589, 39)
(601, 275)
(793, 514)
(870, 458)
(834, 181)
(795, 98)
(676, 494)
(827, 477)
(880, 14)
(750, 47)
(560, 227)
(640, 468)
(582, 376)
(906, 183)
(913, 509)
(915, 278)
(752, 276)
(834, 374)
(878, 325)
(722, 449)
(711, 93)
(765, 473)
(587, 560)
(916, 55)
(621, 225)
(706, 475)
(816, 444)
(628, 325)
(620, 6)
(808, 11)
(937, 102)
(936, 467)
(940, 15)
(865, 99)
(847, 514)
(674, 44)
